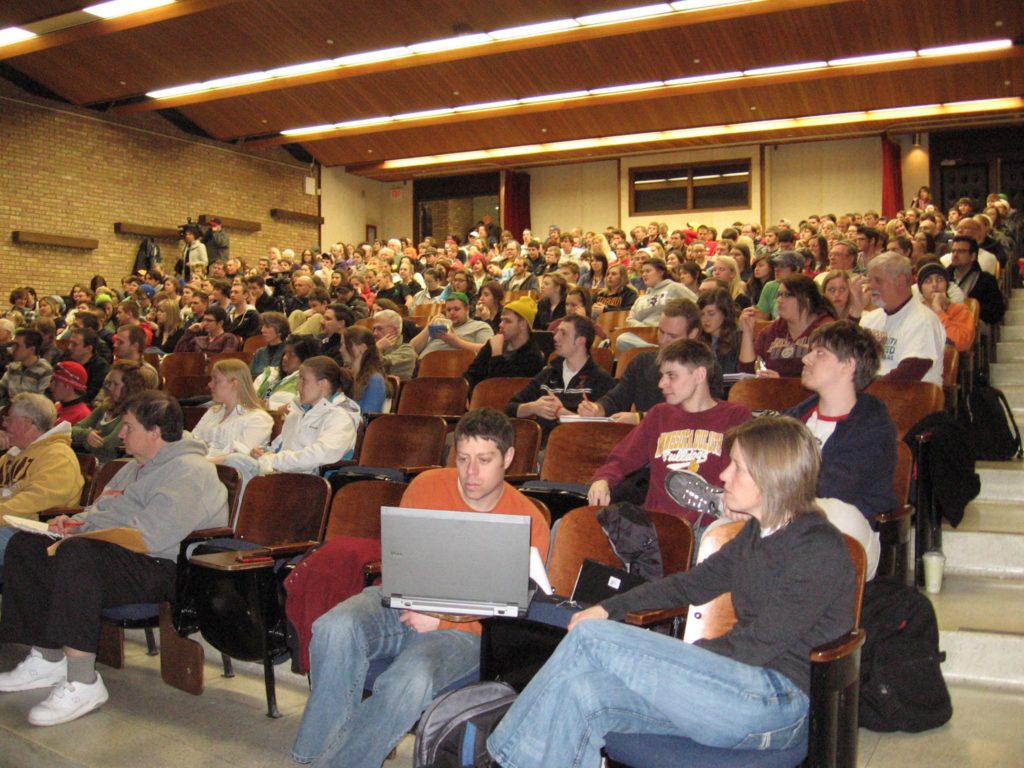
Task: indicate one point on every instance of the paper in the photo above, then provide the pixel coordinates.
(572, 417)
(32, 526)
(537, 572)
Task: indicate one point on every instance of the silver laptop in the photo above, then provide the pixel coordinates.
(436, 561)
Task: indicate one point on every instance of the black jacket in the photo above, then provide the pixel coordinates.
(591, 381)
(980, 285)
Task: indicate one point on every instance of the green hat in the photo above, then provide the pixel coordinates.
(102, 299)
(460, 296)
(525, 307)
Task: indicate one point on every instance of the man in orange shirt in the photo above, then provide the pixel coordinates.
(430, 653)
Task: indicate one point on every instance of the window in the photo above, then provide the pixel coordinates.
(703, 187)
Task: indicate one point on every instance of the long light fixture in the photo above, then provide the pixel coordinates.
(11, 35)
(760, 126)
(481, 39)
(760, 72)
(117, 8)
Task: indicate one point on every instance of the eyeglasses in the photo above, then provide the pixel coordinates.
(783, 295)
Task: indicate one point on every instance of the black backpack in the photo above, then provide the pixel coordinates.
(990, 424)
(901, 683)
(453, 731)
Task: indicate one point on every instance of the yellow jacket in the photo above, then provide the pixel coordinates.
(46, 474)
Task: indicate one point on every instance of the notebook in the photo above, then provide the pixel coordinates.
(438, 561)
(597, 581)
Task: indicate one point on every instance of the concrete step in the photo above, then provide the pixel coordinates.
(1006, 374)
(1010, 351)
(983, 516)
(1001, 480)
(1014, 396)
(1014, 317)
(984, 553)
(981, 629)
(1011, 332)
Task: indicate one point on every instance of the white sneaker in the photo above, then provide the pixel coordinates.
(34, 672)
(69, 701)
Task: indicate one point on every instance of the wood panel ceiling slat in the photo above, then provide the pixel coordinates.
(21, 12)
(879, 91)
(263, 34)
(628, 58)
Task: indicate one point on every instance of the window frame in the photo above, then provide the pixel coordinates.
(691, 169)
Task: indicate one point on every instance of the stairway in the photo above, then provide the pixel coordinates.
(981, 606)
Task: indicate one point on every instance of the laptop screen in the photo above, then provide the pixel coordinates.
(455, 562)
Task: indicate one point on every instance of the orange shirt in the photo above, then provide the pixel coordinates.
(439, 489)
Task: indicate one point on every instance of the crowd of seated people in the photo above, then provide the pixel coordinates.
(833, 301)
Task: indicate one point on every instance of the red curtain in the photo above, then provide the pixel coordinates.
(515, 203)
(892, 178)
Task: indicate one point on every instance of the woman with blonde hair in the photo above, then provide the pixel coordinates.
(237, 417)
(725, 268)
(836, 289)
(169, 326)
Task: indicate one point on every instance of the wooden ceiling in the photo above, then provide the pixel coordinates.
(110, 65)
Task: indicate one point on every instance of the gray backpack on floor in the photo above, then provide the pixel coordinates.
(453, 731)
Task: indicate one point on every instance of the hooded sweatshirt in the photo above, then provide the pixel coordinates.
(45, 474)
(165, 499)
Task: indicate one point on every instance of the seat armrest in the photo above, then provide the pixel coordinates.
(52, 512)
(654, 617)
(519, 479)
(905, 511)
(203, 534)
(289, 548)
(336, 465)
(839, 648)
(418, 470)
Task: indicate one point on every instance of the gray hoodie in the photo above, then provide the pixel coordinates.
(166, 499)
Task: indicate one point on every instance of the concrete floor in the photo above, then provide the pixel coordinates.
(147, 723)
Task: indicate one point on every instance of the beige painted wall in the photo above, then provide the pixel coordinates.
(349, 204)
(577, 195)
(914, 166)
(718, 219)
(822, 177)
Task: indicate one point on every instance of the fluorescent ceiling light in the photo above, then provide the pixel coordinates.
(953, 50)
(235, 80)
(361, 122)
(710, 78)
(700, 5)
(177, 90)
(708, 176)
(487, 106)
(765, 126)
(626, 14)
(10, 35)
(451, 43)
(308, 130)
(783, 68)
(424, 114)
(872, 58)
(384, 54)
(303, 69)
(564, 96)
(629, 88)
(534, 30)
(638, 182)
(116, 8)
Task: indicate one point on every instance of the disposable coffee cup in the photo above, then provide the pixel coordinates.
(934, 562)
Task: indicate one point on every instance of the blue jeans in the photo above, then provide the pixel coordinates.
(340, 728)
(6, 533)
(608, 677)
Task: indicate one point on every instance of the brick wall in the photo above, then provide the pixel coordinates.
(67, 172)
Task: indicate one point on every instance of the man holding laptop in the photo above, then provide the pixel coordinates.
(429, 652)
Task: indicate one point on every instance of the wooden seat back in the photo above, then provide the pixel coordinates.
(403, 440)
(578, 536)
(908, 401)
(496, 392)
(283, 507)
(768, 394)
(445, 363)
(355, 509)
(625, 358)
(433, 396)
(576, 450)
(527, 445)
(648, 333)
